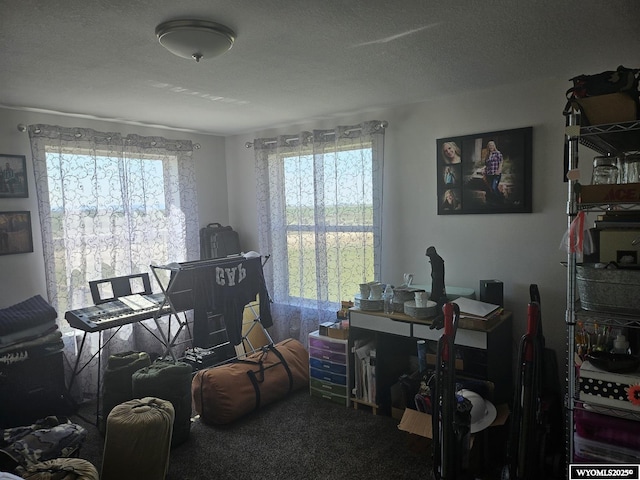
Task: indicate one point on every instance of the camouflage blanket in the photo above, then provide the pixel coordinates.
(48, 438)
(9, 476)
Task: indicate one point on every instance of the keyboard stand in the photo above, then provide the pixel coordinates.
(115, 288)
(77, 369)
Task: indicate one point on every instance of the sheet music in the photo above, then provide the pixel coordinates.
(137, 302)
(475, 307)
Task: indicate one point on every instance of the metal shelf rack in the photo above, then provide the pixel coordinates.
(613, 139)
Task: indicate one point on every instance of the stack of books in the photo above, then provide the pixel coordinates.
(618, 219)
(476, 314)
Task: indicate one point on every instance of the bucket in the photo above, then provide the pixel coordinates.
(610, 290)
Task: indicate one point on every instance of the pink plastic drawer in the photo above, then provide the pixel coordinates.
(327, 344)
(608, 429)
(597, 452)
(337, 357)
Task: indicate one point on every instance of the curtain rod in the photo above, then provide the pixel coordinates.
(22, 128)
(382, 124)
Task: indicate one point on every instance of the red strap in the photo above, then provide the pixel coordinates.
(576, 233)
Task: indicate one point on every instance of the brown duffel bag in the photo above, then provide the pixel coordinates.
(225, 393)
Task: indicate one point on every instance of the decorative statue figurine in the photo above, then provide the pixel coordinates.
(438, 290)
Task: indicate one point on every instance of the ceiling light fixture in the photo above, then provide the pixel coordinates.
(195, 39)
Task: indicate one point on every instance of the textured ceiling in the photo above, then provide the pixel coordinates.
(295, 60)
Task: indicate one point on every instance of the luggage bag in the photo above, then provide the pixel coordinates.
(170, 381)
(225, 393)
(138, 440)
(217, 241)
(117, 385)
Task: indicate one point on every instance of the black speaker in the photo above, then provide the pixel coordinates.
(33, 389)
(491, 291)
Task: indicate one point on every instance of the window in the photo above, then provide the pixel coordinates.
(108, 218)
(334, 241)
(319, 208)
(110, 205)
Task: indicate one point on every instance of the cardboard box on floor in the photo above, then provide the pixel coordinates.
(399, 400)
(418, 423)
(482, 458)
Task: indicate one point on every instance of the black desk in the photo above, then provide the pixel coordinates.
(486, 349)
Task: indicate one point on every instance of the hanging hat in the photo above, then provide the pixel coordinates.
(483, 412)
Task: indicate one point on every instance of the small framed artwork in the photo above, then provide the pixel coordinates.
(13, 176)
(485, 172)
(15, 233)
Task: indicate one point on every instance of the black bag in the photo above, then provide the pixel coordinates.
(612, 81)
(217, 241)
(605, 98)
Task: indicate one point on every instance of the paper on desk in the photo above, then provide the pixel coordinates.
(475, 307)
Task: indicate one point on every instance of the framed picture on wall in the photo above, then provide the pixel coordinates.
(13, 176)
(485, 172)
(15, 233)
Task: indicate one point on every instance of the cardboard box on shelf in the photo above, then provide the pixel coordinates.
(609, 108)
(619, 193)
(323, 328)
(336, 331)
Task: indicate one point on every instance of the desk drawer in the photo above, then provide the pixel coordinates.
(380, 324)
(467, 338)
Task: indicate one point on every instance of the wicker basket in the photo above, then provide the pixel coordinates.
(608, 290)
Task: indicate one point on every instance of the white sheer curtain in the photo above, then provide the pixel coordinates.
(110, 205)
(319, 208)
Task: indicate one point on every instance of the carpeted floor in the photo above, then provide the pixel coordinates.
(299, 437)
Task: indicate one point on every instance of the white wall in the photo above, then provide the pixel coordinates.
(518, 249)
(22, 275)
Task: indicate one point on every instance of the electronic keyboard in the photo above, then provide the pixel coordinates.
(115, 313)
